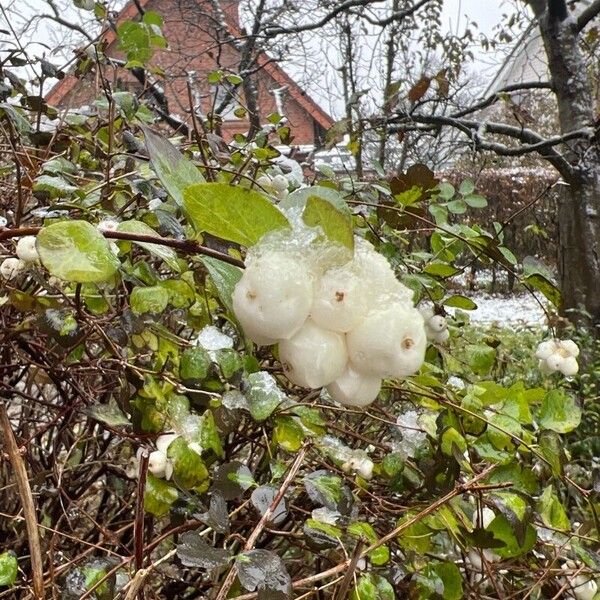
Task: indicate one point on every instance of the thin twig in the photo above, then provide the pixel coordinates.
(33, 537)
(222, 594)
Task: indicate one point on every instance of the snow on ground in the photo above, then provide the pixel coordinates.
(520, 309)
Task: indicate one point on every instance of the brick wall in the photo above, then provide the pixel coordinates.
(196, 44)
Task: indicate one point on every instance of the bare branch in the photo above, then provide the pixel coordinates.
(589, 14)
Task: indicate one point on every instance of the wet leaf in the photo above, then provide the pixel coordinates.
(175, 172)
(217, 515)
(264, 570)
(336, 225)
(559, 412)
(8, 568)
(225, 278)
(263, 395)
(232, 479)
(109, 413)
(76, 251)
(193, 551)
(231, 213)
(159, 496)
(372, 587)
(163, 252)
(326, 489)
(262, 497)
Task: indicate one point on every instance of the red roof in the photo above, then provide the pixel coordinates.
(130, 11)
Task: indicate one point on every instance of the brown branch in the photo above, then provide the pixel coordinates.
(33, 537)
(185, 246)
(222, 595)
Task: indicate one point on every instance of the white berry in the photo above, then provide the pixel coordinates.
(570, 347)
(340, 300)
(164, 441)
(545, 349)
(569, 366)
(157, 463)
(273, 298)
(26, 249)
(354, 389)
(313, 357)
(279, 183)
(390, 342)
(12, 268)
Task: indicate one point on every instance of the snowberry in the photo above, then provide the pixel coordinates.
(164, 441)
(26, 249)
(12, 268)
(107, 225)
(436, 326)
(378, 277)
(545, 349)
(340, 300)
(569, 366)
(279, 183)
(570, 347)
(354, 389)
(313, 357)
(159, 465)
(273, 298)
(390, 342)
(558, 355)
(584, 588)
(361, 465)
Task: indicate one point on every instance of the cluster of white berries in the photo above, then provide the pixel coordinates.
(436, 326)
(343, 327)
(276, 185)
(558, 355)
(27, 255)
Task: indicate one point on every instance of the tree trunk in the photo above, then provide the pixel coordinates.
(579, 205)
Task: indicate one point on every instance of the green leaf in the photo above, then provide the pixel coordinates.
(372, 587)
(447, 191)
(194, 365)
(480, 358)
(546, 287)
(503, 530)
(163, 252)
(263, 395)
(265, 571)
(175, 172)
(189, 470)
(153, 299)
(8, 568)
(336, 225)
(551, 510)
(288, 433)
(457, 207)
(76, 251)
(440, 579)
(231, 212)
(475, 201)
(209, 434)
(225, 278)
(461, 302)
(440, 269)
(109, 413)
(159, 496)
(559, 412)
(551, 449)
(54, 187)
(466, 187)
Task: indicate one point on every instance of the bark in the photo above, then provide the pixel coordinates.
(579, 206)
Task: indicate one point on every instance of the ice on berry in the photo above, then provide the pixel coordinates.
(355, 389)
(273, 298)
(314, 357)
(390, 342)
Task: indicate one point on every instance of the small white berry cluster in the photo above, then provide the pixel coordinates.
(436, 326)
(277, 185)
(581, 586)
(558, 355)
(27, 256)
(342, 327)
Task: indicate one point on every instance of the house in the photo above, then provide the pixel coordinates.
(199, 46)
